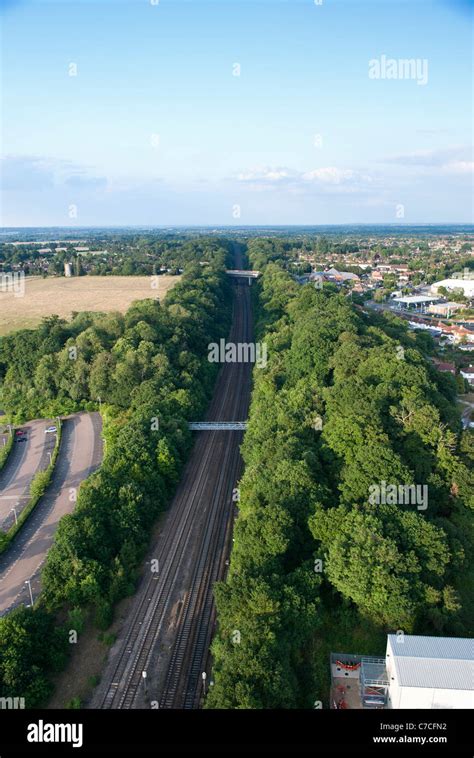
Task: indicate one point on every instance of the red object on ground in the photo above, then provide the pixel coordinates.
(348, 666)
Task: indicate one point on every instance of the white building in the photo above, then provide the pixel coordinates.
(468, 373)
(466, 286)
(429, 672)
(342, 276)
(415, 302)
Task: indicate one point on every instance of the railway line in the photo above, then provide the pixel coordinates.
(170, 626)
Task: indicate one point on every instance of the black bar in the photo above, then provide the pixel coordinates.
(315, 732)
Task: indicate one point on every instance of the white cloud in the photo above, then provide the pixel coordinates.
(459, 167)
(450, 160)
(33, 172)
(266, 174)
(326, 179)
(329, 175)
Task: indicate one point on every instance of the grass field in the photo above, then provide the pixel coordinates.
(61, 296)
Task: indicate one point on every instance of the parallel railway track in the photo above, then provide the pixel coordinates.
(204, 498)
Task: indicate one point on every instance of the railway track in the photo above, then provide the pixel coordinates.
(183, 683)
(198, 522)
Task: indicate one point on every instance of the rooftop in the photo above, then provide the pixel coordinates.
(440, 662)
(415, 299)
(466, 284)
(444, 366)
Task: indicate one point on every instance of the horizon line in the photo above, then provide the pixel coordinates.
(242, 226)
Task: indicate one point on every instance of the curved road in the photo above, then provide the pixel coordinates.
(24, 461)
(79, 455)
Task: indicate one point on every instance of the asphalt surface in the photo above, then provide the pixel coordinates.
(26, 458)
(80, 454)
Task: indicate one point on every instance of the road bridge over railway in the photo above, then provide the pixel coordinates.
(237, 273)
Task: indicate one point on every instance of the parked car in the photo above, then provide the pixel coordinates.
(50, 430)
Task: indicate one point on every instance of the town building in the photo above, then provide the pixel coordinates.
(332, 274)
(415, 302)
(429, 672)
(447, 368)
(466, 286)
(457, 332)
(468, 373)
(445, 309)
(417, 672)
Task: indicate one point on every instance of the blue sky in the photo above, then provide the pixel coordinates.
(156, 128)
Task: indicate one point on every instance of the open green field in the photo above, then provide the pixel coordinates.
(61, 296)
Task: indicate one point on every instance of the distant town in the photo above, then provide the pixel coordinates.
(425, 276)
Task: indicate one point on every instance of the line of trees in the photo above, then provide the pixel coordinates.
(347, 401)
(151, 371)
(118, 254)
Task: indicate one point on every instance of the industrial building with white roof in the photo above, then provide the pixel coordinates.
(418, 672)
(429, 672)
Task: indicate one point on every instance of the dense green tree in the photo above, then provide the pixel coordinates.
(31, 649)
(347, 405)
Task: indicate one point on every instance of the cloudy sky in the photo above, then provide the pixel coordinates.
(270, 112)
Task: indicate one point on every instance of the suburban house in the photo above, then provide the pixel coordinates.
(457, 332)
(447, 368)
(468, 373)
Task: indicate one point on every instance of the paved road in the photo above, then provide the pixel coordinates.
(24, 461)
(79, 455)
